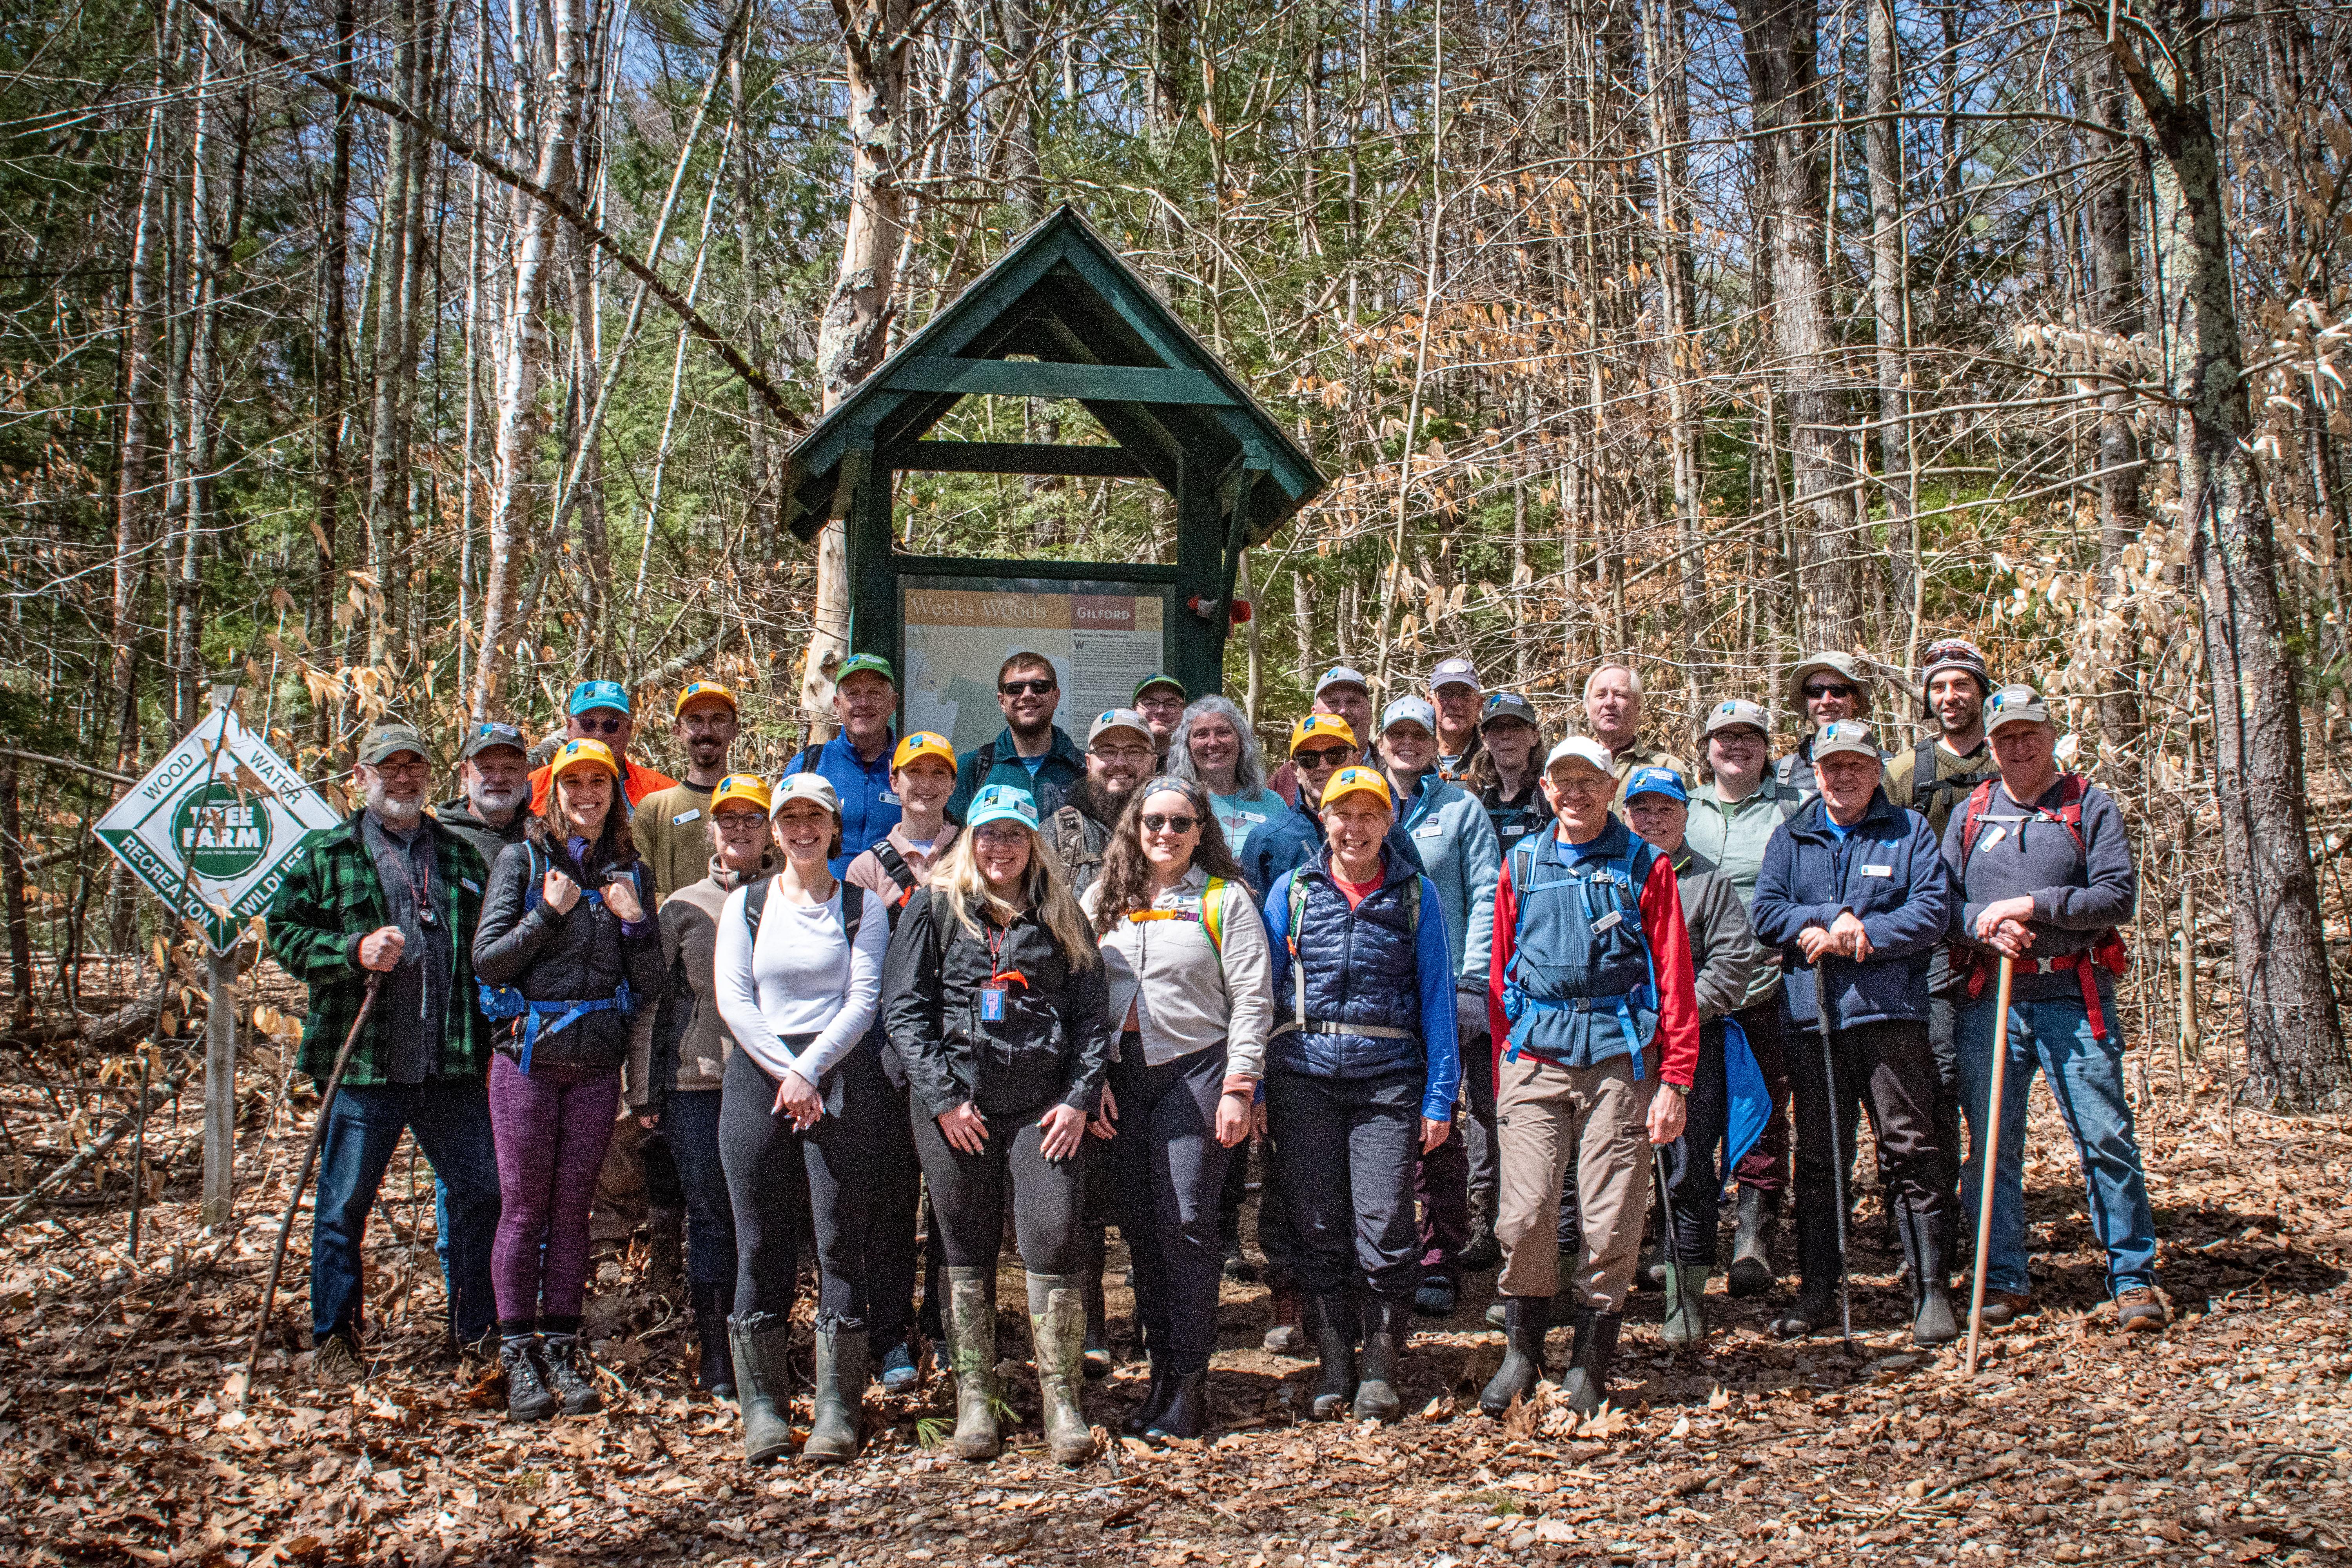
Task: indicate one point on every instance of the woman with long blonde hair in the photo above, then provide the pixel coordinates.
(995, 996)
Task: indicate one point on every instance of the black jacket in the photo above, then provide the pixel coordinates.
(1053, 1045)
(577, 956)
(458, 816)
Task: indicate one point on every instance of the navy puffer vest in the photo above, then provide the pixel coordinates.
(1582, 987)
(1358, 967)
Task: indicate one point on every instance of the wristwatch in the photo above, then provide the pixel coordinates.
(1681, 1088)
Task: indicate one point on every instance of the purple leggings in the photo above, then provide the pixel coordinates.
(552, 1126)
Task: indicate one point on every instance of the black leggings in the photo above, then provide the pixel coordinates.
(968, 1193)
(1693, 1169)
(1166, 1170)
(895, 1188)
(773, 1171)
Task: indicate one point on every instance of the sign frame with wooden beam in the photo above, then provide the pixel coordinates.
(1060, 315)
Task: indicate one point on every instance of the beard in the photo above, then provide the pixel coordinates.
(394, 811)
(495, 801)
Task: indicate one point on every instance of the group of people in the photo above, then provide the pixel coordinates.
(1467, 992)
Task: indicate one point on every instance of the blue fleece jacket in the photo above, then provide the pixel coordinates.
(1889, 871)
(1456, 845)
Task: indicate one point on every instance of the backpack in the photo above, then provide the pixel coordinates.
(1624, 880)
(505, 1003)
(1926, 786)
(902, 877)
(852, 911)
(2108, 950)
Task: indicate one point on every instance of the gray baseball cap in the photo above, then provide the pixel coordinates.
(389, 741)
(1509, 705)
(1734, 710)
(1341, 675)
(1409, 710)
(492, 733)
(1455, 671)
(1845, 735)
(2013, 705)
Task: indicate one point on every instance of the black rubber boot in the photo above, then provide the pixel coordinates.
(1138, 1420)
(528, 1398)
(1332, 1320)
(716, 1371)
(568, 1375)
(1385, 1327)
(1816, 1306)
(1586, 1380)
(1526, 1320)
(840, 1416)
(1186, 1413)
(1932, 1320)
(1751, 1248)
(762, 1382)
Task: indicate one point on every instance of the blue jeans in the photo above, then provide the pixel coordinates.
(2087, 1081)
(450, 1119)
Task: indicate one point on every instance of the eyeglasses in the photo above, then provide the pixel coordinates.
(391, 768)
(1155, 703)
(989, 833)
(1161, 821)
(602, 726)
(1316, 762)
(1123, 754)
(741, 822)
(1033, 687)
(1826, 689)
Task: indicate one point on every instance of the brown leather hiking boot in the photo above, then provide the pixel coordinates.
(2138, 1311)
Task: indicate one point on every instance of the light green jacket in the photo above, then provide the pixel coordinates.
(1733, 836)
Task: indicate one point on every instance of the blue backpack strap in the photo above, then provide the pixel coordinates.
(1639, 862)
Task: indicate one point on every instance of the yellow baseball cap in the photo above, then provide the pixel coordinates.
(1321, 727)
(701, 689)
(749, 788)
(922, 743)
(582, 755)
(1358, 781)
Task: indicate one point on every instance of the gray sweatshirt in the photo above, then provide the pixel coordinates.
(2077, 893)
(1187, 995)
(1724, 953)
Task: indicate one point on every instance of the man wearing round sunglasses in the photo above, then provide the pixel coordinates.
(1031, 754)
(599, 711)
(1825, 688)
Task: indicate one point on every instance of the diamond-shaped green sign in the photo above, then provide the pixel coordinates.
(211, 828)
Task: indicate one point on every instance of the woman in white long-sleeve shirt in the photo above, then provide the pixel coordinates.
(1191, 983)
(798, 973)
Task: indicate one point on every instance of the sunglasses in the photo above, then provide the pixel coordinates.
(1161, 821)
(1033, 687)
(1839, 689)
(1329, 757)
(602, 726)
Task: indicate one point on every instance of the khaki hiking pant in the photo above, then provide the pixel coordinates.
(1546, 1116)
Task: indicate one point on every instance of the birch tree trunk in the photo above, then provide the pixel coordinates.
(387, 451)
(2294, 1042)
(132, 508)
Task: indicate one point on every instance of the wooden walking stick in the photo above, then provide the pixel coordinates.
(1986, 1166)
(303, 1179)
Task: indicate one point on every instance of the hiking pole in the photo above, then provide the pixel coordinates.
(1837, 1143)
(303, 1179)
(1991, 1156)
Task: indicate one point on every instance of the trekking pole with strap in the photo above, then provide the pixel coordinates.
(1991, 1156)
(303, 1179)
(1666, 1226)
(1837, 1143)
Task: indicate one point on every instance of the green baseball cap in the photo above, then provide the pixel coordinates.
(872, 663)
(1148, 681)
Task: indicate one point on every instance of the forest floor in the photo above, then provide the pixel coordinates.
(2226, 1439)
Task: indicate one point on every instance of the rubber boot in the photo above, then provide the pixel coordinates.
(1933, 1321)
(1586, 1380)
(1057, 1328)
(715, 1367)
(1751, 1248)
(1186, 1413)
(1526, 1320)
(972, 1341)
(1685, 1321)
(568, 1377)
(528, 1398)
(762, 1382)
(1816, 1306)
(1385, 1328)
(1138, 1420)
(1332, 1320)
(840, 1416)
(1098, 1359)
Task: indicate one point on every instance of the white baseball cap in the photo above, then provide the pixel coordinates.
(1585, 750)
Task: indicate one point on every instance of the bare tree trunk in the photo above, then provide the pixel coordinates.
(2295, 1040)
(1888, 286)
(2117, 312)
(387, 451)
(1024, 185)
(332, 352)
(1662, 44)
(764, 514)
(134, 508)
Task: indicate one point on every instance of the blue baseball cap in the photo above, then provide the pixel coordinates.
(1656, 781)
(598, 694)
(1003, 802)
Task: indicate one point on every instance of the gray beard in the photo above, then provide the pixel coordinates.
(496, 807)
(400, 814)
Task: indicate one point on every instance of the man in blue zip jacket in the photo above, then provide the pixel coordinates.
(1855, 894)
(1362, 1070)
(856, 761)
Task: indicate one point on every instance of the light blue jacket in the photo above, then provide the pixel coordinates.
(1452, 832)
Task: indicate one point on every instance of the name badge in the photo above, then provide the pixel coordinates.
(888, 798)
(683, 817)
(1430, 830)
(1878, 871)
(992, 1003)
(1515, 830)
(1995, 837)
(467, 883)
(1605, 922)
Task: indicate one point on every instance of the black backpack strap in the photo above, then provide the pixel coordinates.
(755, 904)
(852, 911)
(895, 867)
(1923, 777)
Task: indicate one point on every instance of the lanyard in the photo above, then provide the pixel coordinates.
(423, 905)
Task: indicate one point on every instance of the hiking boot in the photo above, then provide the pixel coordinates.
(1686, 1319)
(762, 1382)
(1526, 1320)
(337, 1363)
(2139, 1311)
(2002, 1308)
(1650, 1273)
(1751, 1248)
(1155, 1398)
(528, 1396)
(1586, 1380)
(840, 1416)
(569, 1375)
(715, 1367)
(1435, 1297)
(1287, 1334)
(1482, 1250)
(1238, 1264)
(1498, 1312)
(971, 1339)
(1376, 1396)
(1815, 1309)
(902, 1368)
(1332, 1320)
(1057, 1328)
(1186, 1413)
(1096, 1358)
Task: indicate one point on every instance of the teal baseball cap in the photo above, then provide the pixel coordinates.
(591, 694)
(1003, 802)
